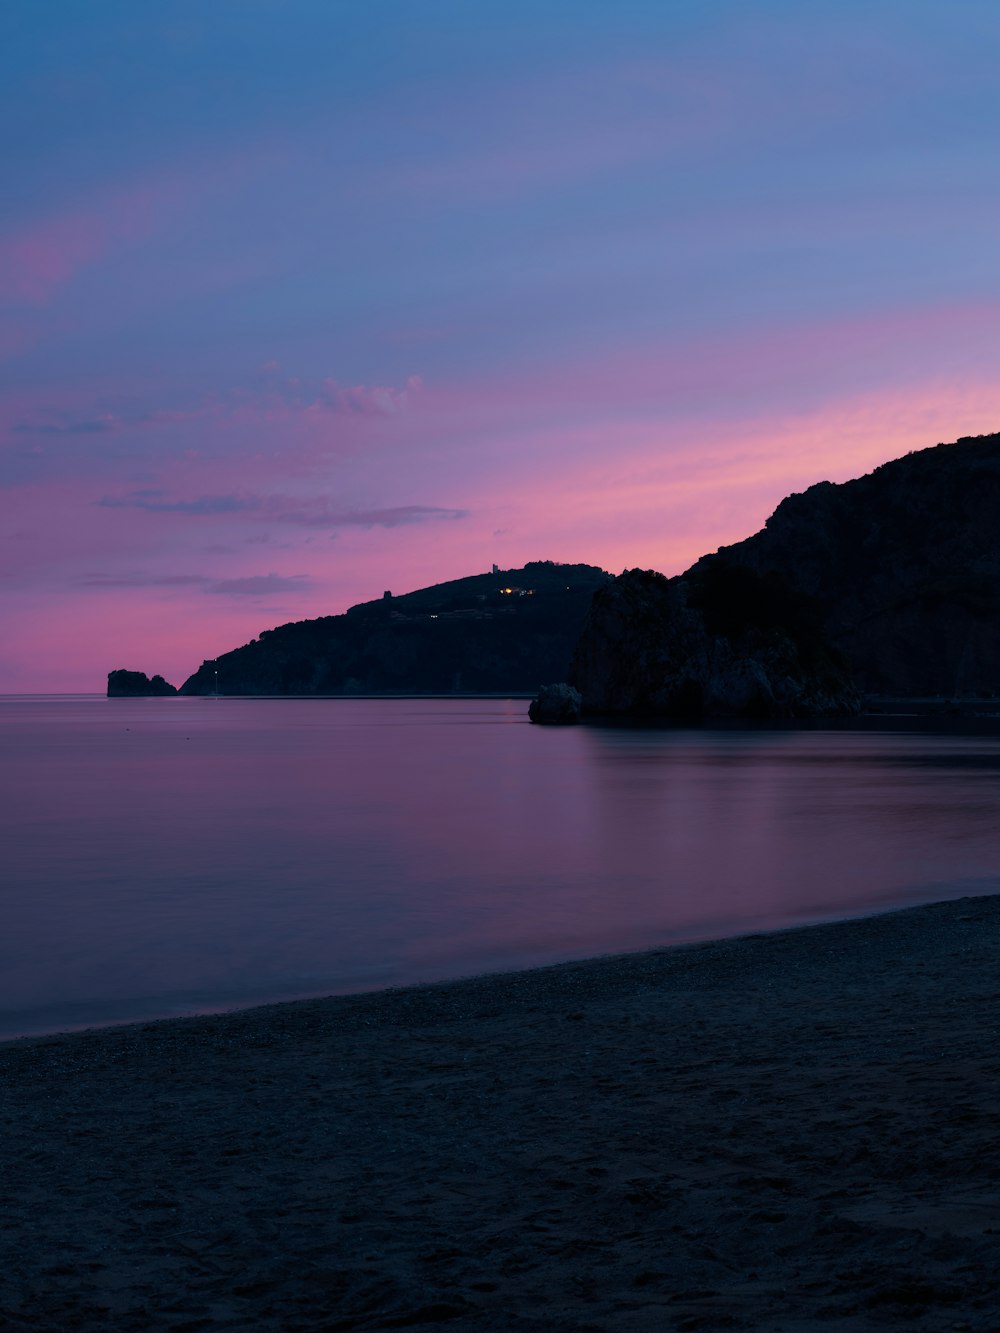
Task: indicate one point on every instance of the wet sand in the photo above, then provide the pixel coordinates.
(793, 1132)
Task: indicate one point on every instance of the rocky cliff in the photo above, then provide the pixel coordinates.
(509, 630)
(889, 584)
(692, 648)
(903, 565)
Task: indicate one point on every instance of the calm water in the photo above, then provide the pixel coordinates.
(182, 855)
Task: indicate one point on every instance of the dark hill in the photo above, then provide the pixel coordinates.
(889, 584)
(902, 566)
(507, 631)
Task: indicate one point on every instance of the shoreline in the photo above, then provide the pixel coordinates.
(363, 991)
(787, 1131)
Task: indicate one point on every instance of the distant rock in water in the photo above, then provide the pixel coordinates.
(556, 705)
(136, 685)
(886, 585)
(490, 633)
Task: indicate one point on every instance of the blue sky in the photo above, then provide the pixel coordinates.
(299, 301)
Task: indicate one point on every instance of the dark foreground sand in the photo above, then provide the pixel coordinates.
(795, 1131)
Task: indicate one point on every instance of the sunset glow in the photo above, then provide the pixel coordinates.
(300, 303)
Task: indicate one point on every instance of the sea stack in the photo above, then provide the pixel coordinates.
(556, 705)
(137, 685)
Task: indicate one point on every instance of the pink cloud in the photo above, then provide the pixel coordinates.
(34, 263)
(41, 258)
(37, 260)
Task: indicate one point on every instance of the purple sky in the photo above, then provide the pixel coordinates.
(301, 300)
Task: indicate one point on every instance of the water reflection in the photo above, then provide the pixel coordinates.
(175, 855)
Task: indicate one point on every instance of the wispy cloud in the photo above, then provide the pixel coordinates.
(268, 393)
(142, 581)
(203, 504)
(110, 422)
(395, 517)
(272, 386)
(252, 585)
(261, 585)
(68, 426)
(309, 512)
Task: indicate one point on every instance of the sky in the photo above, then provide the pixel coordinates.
(302, 300)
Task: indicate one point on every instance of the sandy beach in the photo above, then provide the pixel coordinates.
(794, 1131)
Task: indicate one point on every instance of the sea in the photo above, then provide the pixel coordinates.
(163, 857)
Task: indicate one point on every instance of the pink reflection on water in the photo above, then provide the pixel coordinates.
(187, 855)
